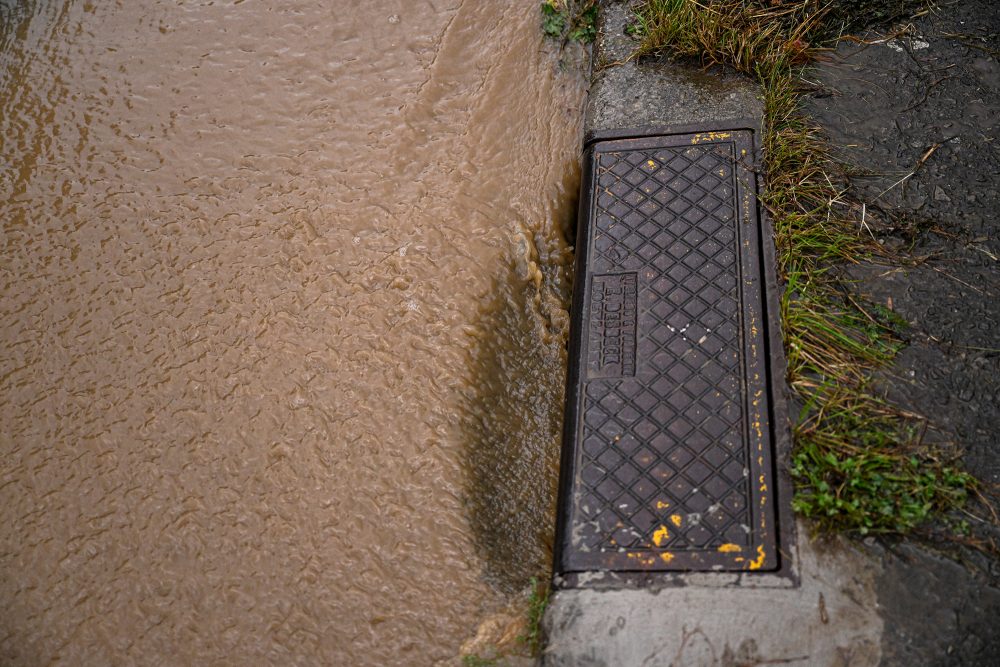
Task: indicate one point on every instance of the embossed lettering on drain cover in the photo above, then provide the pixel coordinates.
(668, 449)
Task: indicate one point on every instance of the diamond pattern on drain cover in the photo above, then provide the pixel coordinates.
(668, 215)
(690, 292)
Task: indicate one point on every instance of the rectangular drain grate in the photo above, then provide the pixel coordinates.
(667, 461)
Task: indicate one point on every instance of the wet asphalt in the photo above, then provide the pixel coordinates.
(916, 117)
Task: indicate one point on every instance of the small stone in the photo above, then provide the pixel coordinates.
(394, 18)
(939, 194)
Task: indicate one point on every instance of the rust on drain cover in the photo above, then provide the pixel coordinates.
(667, 455)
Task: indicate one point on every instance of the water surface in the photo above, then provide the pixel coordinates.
(282, 292)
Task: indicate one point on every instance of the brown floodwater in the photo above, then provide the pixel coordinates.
(283, 304)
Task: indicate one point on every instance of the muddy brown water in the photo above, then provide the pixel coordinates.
(283, 314)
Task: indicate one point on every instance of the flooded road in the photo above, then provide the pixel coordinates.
(283, 326)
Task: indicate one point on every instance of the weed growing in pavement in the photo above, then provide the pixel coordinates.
(570, 20)
(858, 463)
(538, 600)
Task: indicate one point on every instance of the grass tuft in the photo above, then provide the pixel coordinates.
(858, 463)
(538, 600)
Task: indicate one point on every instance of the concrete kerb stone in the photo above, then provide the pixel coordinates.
(830, 619)
(651, 93)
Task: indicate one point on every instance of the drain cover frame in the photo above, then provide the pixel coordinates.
(668, 452)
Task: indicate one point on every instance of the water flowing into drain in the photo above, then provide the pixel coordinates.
(513, 417)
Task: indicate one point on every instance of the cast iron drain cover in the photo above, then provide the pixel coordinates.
(667, 461)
